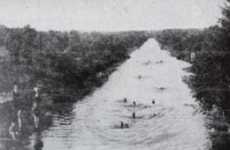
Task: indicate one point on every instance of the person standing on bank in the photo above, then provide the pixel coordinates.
(35, 115)
(16, 101)
(36, 92)
(18, 105)
(35, 106)
(12, 130)
(19, 119)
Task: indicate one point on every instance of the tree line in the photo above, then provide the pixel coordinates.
(65, 62)
(210, 80)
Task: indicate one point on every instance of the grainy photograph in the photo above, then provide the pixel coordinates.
(115, 75)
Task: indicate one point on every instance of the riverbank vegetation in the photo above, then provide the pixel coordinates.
(210, 64)
(210, 79)
(211, 71)
(65, 63)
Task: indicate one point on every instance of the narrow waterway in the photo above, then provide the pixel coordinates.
(172, 123)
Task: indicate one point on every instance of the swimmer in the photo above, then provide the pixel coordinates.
(126, 125)
(134, 103)
(162, 88)
(153, 101)
(134, 111)
(125, 100)
(154, 114)
(159, 62)
(122, 125)
(139, 77)
(134, 115)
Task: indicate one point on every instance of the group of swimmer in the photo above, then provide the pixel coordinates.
(15, 127)
(126, 125)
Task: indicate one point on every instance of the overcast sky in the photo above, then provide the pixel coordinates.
(110, 15)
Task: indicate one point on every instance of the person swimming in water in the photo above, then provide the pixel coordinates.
(154, 102)
(134, 115)
(125, 100)
(134, 110)
(134, 103)
(124, 125)
(139, 77)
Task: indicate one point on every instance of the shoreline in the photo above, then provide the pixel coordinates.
(216, 122)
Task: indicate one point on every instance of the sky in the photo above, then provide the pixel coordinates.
(110, 15)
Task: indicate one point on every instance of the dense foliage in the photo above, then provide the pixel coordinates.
(66, 65)
(210, 79)
(63, 62)
(211, 70)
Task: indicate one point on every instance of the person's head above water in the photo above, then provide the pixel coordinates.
(134, 115)
(122, 124)
(134, 103)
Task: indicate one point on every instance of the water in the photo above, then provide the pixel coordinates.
(150, 73)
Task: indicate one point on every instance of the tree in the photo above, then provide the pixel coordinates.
(225, 24)
(21, 43)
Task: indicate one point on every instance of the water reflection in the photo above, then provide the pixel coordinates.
(22, 122)
(37, 141)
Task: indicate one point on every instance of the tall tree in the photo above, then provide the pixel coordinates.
(225, 24)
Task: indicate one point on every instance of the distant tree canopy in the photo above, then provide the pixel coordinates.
(64, 59)
(225, 20)
(21, 44)
(211, 67)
